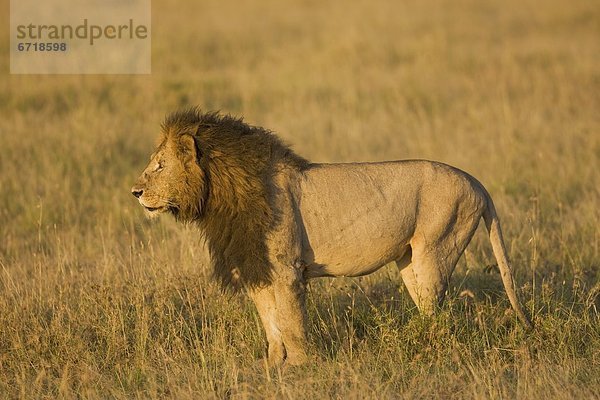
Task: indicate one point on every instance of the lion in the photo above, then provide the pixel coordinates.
(272, 220)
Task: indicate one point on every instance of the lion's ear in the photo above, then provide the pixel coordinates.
(188, 149)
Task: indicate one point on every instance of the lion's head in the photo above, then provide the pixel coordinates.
(174, 180)
(218, 171)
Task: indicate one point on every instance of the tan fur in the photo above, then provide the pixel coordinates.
(272, 220)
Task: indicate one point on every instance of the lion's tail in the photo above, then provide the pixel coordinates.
(493, 226)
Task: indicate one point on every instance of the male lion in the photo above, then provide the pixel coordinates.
(272, 219)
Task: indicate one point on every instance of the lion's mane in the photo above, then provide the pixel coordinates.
(236, 208)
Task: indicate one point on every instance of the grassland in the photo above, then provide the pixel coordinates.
(97, 302)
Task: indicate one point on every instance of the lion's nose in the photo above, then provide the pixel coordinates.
(137, 192)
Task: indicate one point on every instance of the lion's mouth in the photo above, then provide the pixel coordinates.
(154, 210)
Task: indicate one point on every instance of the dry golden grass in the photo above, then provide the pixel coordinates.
(97, 302)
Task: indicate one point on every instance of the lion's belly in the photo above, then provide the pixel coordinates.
(355, 218)
(351, 256)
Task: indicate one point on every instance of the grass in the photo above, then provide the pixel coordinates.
(97, 302)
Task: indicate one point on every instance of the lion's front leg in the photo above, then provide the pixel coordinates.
(264, 299)
(288, 284)
(290, 292)
(283, 315)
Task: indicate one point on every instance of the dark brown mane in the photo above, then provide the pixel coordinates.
(239, 162)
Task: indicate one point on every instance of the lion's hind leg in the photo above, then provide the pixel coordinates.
(424, 281)
(433, 261)
(409, 278)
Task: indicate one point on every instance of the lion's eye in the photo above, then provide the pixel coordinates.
(158, 167)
